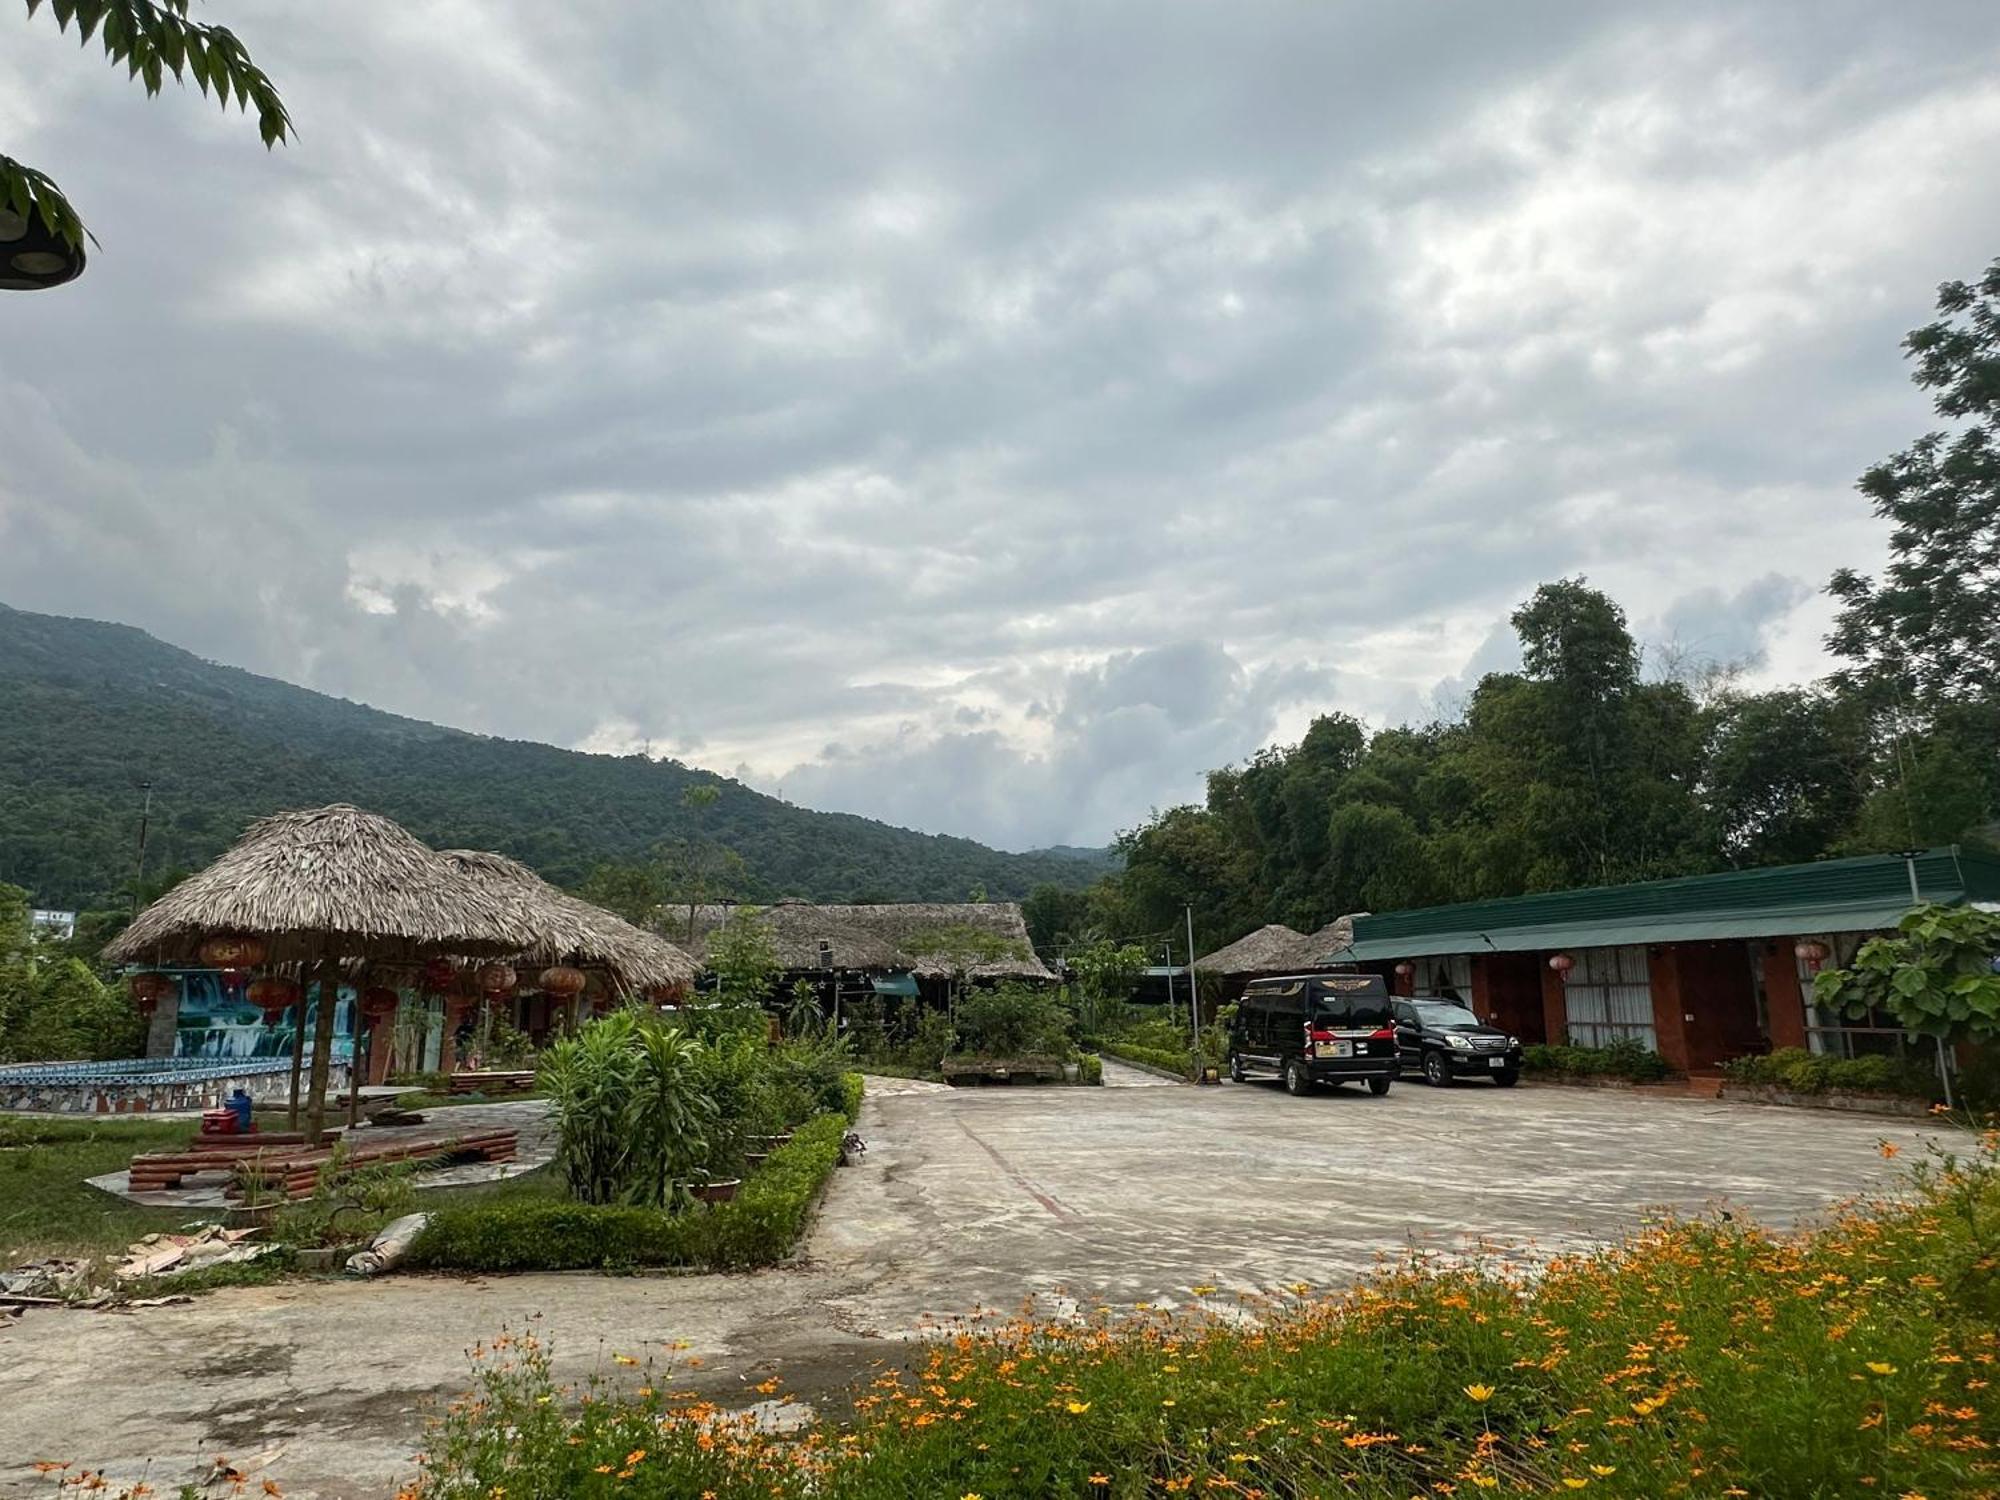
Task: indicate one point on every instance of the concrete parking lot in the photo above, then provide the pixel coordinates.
(965, 1200)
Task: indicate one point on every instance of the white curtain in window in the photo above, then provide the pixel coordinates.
(1610, 996)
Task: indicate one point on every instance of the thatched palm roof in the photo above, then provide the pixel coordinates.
(914, 926)
(573, 931)
(797, 929)
(326, 882)
(1329, 944)
(878, 938)
(1269, 950)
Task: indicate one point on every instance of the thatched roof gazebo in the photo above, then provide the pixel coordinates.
(319, 886)
(797, 931)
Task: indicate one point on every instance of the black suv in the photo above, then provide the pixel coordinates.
(1444, 1040)
(1315, 1028)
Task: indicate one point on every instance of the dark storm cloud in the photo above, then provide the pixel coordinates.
(984, 418)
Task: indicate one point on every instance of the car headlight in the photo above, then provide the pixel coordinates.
(1459, 1042)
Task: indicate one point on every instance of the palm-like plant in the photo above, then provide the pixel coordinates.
(592, 1079)
(671, 1112)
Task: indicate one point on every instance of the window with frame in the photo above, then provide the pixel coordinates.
(1833, 1033)
(1610, 998)
(1450, 975)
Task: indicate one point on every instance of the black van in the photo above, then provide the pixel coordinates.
(1316, 1028)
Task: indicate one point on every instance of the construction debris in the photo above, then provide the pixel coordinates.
(177, 1254)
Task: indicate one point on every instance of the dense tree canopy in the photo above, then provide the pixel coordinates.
(1583, 769)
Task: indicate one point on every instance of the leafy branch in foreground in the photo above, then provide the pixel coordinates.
(152, 38)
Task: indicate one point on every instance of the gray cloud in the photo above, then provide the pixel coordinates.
(983, 419)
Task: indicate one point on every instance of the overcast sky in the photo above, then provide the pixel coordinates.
(982, 417)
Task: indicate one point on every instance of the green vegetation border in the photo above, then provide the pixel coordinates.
(758, 1227)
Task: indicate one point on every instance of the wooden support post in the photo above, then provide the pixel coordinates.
(298, 1048)
(329, 1000)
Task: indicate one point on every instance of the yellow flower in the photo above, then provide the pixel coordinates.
(1100, 1479)
(1574, 1484)
(972, 1495)
(623, 1359)
(1168, 1402)
(1480, 1392)
(1239, 1458)
(1078, 1408)
(1877, 1367)
(1604, 1471)
(1484, 1481)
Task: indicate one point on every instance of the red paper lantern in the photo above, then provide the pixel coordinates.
(1562, 963)
(232, 953)
(440, 974)
(148, 990)
(273, 996)
(667, 994)
(1405, 970)
(562, 982)
(378, 1003)
(496, 979)
(1811, 953)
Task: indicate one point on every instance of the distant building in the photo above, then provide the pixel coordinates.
(1700, 969)
(60, 925)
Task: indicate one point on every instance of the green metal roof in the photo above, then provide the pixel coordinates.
(1862, 894)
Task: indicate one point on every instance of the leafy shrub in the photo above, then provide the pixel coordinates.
(1802, 1072)
(1623, 1058)
(1089, 1068)
(758, 1227)
(1014, 1020)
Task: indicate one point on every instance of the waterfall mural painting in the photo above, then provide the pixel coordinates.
(216, 1021)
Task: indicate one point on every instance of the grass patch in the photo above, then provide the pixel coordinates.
(46, 1207)
(1697, 1358)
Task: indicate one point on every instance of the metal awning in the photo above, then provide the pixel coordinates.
(1700, 927)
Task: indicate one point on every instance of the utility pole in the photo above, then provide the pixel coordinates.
(1194, 990)
(139, 867)
(1909, 858)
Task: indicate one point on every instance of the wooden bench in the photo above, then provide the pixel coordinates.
(294, 1173)
(493, 1083)
(154, 1171)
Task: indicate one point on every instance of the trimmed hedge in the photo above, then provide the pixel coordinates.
(1622, 1059)
(1804, 1072)
(757, 1228)
(1089, 1068)
(1172, 1062)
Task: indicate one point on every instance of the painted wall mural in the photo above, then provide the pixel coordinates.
(216, 1021)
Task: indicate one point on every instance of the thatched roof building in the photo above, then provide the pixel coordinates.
(1273, 949)
(930, 940)
(322, 883)
(572, 931)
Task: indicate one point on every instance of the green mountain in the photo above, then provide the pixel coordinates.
(89, 711)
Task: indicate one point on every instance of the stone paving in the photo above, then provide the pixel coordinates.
(967, 1199)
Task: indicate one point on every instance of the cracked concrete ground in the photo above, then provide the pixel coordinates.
(965, 1200)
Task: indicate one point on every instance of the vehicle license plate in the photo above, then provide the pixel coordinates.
(1496, 1062)
(1339, 1049)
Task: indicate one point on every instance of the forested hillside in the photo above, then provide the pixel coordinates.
(88, 711)
(1588, 767)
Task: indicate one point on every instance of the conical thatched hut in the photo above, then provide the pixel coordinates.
(317, 887)
(326, 883)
